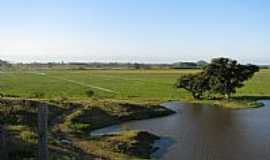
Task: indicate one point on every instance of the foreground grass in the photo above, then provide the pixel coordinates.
(69, 127)
(20, 123)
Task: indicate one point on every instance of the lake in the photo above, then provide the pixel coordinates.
(199, 132)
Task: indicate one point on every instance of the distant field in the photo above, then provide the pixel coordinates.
(118, 84)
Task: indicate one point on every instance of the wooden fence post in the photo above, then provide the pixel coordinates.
(3, 149)
(42, 131)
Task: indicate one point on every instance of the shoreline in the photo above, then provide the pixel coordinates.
(236, 102)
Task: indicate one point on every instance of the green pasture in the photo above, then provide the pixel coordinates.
(115, 84)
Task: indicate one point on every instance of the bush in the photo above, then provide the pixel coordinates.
(89, 93)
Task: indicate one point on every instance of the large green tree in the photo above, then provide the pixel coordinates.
(225, 75)
(222, 76)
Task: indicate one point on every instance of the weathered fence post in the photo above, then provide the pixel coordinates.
(42, 131)
(3, 149)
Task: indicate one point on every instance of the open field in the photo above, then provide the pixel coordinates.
(122, 84)
(136, 85)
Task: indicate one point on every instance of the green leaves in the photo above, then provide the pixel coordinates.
(197, 84)
(221, 76)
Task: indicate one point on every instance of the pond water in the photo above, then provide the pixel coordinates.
(198, 132)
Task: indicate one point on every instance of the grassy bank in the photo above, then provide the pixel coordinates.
(99, 114)
(132, 145)
(69, 126)
(230, 104)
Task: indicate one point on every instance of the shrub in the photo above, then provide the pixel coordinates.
(89, 92)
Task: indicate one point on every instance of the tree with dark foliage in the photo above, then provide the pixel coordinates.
(226, 75)
(222, 76)
(197, 84)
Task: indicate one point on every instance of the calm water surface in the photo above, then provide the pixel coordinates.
(199, 132)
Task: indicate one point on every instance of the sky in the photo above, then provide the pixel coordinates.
(150, 31)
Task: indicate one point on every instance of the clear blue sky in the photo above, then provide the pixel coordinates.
(134, 30)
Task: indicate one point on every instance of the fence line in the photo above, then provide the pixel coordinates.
(42, 131)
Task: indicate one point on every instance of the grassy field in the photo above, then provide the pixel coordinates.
(122, 84)
(136, 85)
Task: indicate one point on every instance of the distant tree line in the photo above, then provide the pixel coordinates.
(110, 65)
(222, 76)
(189, 65)
(4, 65)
